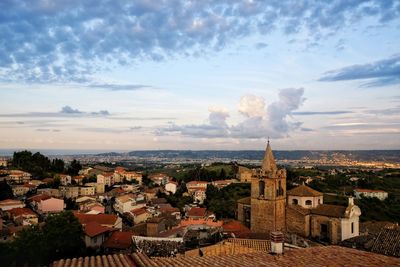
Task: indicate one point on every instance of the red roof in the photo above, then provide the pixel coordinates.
(78, 177)
(119, 240)
(197, 212)
(21, 211)
(138, 211)
(38, 198)
(192, 183)
(93, 229)
(108, 219)
(237, 228)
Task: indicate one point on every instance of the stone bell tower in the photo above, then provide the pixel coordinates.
(268, 196)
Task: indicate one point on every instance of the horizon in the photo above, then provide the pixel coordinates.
(223, 75)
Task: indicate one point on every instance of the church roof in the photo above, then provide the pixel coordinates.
(304, 191)
(268, 163)
(329, 210)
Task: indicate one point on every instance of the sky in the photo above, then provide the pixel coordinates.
(227, 74)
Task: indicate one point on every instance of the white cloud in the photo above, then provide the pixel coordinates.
(274, 121)
(252, 106)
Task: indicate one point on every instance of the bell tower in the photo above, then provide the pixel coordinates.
(268, 196)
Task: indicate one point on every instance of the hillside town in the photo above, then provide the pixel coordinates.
(124, 211)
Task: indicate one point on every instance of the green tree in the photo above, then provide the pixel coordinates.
(64, 236)
(57, 165)
(74, 168)
(60, 237)
(5, 191)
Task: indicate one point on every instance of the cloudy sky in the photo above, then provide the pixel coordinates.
(226, 74)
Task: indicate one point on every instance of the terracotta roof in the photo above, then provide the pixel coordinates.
(38, 198)
(304, 191)
(10, 202)
(21, 211)
(315, 256)
(193, 183)
(93, 229)
(159, 200)
(78, 177)
(119, 240)
(388, 242)
(329, 210)
(245, 200)
(97, 261)
(197, 212)
(108, 219)
(138, 211)
(237, 228)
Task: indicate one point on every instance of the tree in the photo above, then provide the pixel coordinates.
(74, 168)
(60, 237)
(5, 191)
(57, 165)
(222, 174)
(64, 236)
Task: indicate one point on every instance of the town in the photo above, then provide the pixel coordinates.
(60, 211)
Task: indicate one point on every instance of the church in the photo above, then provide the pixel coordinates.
(298, 211)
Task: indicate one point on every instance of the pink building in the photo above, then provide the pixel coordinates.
(50, 205)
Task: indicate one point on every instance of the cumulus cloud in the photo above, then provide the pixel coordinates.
(259, 122)
(55, 41)
(379, 73)
(252, 106)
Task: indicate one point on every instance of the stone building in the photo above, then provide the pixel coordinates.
(299, 211)
(268, 196)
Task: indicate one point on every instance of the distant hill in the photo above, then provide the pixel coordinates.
(358, 155)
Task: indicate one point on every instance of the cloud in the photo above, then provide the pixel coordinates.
(65, 111)
(312, 113)
(119, 87)
(379, 73)
(64, 41)
(252, 106)
(386, 111)
(69, 110)
(260, 121)
(261, 45)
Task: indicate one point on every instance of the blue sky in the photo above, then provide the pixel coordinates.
(126, 75)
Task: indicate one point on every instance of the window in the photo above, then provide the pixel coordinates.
(319, 201)
(308, 202)
(295, 202)
(261, 188)
(352, 228)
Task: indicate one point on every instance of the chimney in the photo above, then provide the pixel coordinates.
(351, 201)
(277, 240)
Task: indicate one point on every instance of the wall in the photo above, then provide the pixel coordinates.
(297, 223)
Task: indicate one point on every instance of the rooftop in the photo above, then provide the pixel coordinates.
(315, 256)
(107, 219)
(93, 229)
(197, 212)
(119, 240)
(329, 210)
(304, 191)
(369, 190)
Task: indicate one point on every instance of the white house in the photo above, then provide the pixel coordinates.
(171, 186)
(379, 194)
(65, 179)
